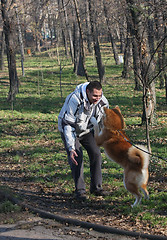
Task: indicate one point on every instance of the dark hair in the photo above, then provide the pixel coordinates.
(94, 84)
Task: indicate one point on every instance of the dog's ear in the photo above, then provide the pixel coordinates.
(118, 113)
(117, 107)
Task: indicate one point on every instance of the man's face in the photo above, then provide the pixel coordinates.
(94, 96)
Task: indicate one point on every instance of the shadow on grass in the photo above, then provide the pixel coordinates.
(33, 104)
(47, 104)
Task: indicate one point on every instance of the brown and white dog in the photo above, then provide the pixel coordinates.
(134, 161)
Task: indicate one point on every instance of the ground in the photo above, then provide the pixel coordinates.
(25, 225)
(32, 227)
(96, 210)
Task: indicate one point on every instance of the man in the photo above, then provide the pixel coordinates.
(74, 123)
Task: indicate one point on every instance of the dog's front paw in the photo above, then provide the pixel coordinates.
(93, 121)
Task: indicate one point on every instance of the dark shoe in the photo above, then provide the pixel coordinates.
(80, 196)
(100, 192)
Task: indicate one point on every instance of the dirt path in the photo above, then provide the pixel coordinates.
(38, 228)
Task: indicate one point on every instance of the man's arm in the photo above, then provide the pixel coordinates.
(69, 127)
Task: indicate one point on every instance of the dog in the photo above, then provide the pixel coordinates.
(118, 148)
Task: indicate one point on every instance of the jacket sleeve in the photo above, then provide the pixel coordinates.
(69, 122)
(69, 134)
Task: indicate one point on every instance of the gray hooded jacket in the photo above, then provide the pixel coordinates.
(74, 117)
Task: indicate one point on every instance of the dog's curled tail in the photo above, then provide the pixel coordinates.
(138, 155)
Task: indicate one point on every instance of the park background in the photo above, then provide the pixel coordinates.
(51, 47)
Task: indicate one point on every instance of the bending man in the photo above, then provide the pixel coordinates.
(74, 123)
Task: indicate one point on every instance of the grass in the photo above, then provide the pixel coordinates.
(29, 136)
(7, 206)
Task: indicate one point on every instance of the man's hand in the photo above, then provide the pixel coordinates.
(73, 154)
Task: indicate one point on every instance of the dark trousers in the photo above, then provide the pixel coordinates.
(88, 142)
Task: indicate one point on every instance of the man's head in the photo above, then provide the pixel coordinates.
(94, 91)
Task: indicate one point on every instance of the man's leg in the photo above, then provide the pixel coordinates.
(77, 171)
(88, 142)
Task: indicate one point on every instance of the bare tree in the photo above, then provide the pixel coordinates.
(38, 14)
(114, 48)
(82, 52)
(127, 50)
(88, 28)
(160, 30)
(62, 26)
(2, 41)
(20, 39)
(8, 15)
(100, 66)
(69, 30)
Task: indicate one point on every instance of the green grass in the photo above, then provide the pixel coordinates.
(7, 206)
(29, 137)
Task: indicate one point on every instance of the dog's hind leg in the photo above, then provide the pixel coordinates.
(132, 188)
(144, 190)
(137, 201)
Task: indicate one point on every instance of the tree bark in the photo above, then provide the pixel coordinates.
(9, 30)
(136, 65)
(69, 30)
(100, 66)
(20, 40)
(160, 34)
(115, 52)
(2, 51)
(150, 28)
(76, 47)
(127, 55)
(82, 52)
(88, 26)
(146, 65)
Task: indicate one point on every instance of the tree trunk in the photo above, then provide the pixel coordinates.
(9, 30)
(100, 66)
(65, 42)
(115, 52)
(146, 64)
(69, 30)
(164, 47)
(122, 38)
(160, 34)
(80, 68)
(136, 65)
(88, 26)
(76, 47)
(127, 55)
(2, 51)
(20, 40)
(164, 60)
(82, 53)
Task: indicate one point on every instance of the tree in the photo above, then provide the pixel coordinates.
(2, 40)
(38, 14)
(63, 26)
(8, 16)
(81, 65)
(20, 39)
(115, 52)
(160, 30)
(69, 30)
(100, 66)
(127, 50)
(146, 63)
